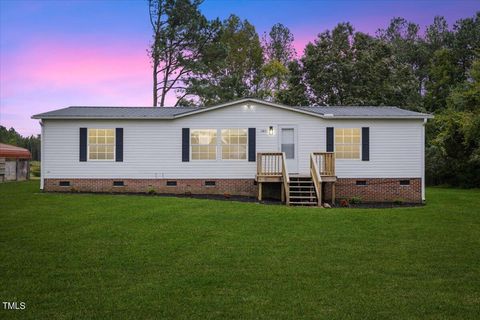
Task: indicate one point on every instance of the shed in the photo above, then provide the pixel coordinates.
(14, 163)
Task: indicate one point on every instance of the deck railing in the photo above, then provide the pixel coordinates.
(325, 162)
(273, 164)
(316, 178)
(269, 164)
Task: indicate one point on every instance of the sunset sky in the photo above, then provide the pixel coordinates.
(93, 52)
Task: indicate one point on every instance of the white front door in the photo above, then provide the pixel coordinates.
(288, 144)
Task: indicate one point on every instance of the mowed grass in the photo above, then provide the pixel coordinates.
(83, 256)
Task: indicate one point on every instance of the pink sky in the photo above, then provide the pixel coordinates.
(55, 54)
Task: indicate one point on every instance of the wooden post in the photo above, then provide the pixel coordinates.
(259, 191)
(319, 196)
(282, 188)
(333, 193)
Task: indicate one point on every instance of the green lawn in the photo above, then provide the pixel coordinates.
(79, 256)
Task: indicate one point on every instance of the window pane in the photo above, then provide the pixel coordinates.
(203, 144)
(289, 150)
(287, 136)
(347, 143)
(101, 144)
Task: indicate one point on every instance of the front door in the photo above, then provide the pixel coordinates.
(288, 144)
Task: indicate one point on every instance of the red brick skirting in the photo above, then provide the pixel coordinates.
(242, 187)
(375, 190)
(378, 189)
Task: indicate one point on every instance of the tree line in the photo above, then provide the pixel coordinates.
(437, 70)
(12, 137)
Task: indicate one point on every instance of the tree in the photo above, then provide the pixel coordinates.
(180, 34)
(444, 73)
(328, 65)
(409, 48)
(278, 45)
(295, 94)
(466, 42)
(235, 72)
(466, 95)
(437, 35)
(279, 51)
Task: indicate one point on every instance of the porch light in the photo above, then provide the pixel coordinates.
(270, 131)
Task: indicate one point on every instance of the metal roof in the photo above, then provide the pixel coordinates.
(114, 112)
(9, 151)
(177, 112)
(364, 111)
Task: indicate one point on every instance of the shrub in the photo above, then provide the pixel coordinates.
(151, 190)
(355, 200)
(398, 201)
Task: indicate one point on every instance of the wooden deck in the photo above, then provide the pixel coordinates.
(272, 168)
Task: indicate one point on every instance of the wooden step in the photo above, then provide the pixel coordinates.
(303, 203)
(302, 186)
(303, 197)
(310, 191)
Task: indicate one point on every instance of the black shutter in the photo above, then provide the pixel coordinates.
(119, 144)
(83, 144)
(329, 139)
(366, 144)
(185, 144)
(252, 144)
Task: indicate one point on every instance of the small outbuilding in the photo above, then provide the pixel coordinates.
(14, 163)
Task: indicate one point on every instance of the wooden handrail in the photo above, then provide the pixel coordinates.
(286, 179)
(325, 163)
(316, 178)
(274, 164)
(269, 163)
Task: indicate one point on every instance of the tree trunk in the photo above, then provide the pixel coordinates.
(155, 82)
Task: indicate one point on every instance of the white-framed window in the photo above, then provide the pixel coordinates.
(203, 144)
(234, 144)
(101, 144)
(347, 143)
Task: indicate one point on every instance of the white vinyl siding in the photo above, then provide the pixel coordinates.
(153, 148)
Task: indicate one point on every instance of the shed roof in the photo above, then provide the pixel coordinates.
(83, 112)
(9, 151)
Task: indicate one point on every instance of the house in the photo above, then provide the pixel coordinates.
(245, 147)
(14, 163)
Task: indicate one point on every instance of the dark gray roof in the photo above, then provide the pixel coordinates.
(114, 112)
(176, 112)
(370, 111)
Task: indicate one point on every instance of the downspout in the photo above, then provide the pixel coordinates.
(42, 155)
(423, 158)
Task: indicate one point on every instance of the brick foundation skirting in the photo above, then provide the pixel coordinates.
(241, 187)
(377, 189)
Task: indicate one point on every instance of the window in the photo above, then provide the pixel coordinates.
(288, 142)
(404, 182)
(210, 183)
(204, 144)
(101, 144)
(64, 183)
(347, 143)
(118, 183)
(361, 182)
(171, 183)
(234, 144)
